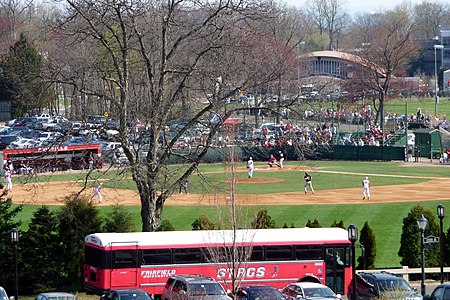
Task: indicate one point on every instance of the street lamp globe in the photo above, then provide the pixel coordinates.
(422, 223)
(352, 233)
(441, 211)
(14, 235)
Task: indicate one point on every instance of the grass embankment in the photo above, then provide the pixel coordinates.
(385, 219)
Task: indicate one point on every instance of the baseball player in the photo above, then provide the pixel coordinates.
(8, 181)
(366, 188)
(97, 193)
(250, 167)
(272, 161)
(281, 160)
(308, 182)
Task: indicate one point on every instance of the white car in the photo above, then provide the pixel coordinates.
(3, 295)
(24, 143)
(309, 290)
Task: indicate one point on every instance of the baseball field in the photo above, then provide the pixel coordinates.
(395, 187)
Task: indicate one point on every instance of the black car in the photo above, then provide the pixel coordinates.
(5, 140)
(255, 292)
(126, 294)
(382, 285)
(441, 292)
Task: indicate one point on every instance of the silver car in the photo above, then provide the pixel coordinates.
(309, 290)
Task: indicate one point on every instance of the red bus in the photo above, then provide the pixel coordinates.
(277, 257)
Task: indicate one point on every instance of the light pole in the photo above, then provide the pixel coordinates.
(422, 224)
(436, 88)
(441, 215)
(353, 237)
(14, 241)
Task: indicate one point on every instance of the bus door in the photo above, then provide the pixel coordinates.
(335, 269)
(124, 267)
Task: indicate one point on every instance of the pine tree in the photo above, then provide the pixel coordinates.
(7, 222)
(263, 220)
(367, 239)
(77, 219)
(410, 251)
(21, 80)
(313, 224)
(119, 220)
(339, 224)
(166, 226)
(203, 223)
(41, 243)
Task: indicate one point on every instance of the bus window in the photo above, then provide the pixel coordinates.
(279, 252)
(96, 257)
(124, 259)
(187, 256)
(156, 257)
(257, 254)
(308, 252)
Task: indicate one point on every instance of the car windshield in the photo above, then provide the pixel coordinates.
(206, 289)
(264, 294)
(393, 285)
(134, 296)
(3, 295)
(319, 292)
(62, 298)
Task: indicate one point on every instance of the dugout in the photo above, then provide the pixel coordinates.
(54, 158)
(428, 140)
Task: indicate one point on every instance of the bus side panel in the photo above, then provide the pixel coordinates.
(276, 274)
(124, 278)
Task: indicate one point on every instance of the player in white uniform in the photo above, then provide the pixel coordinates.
(8, 180)
(366, 188)
(250, 167)
(97, 193)
(281, 160)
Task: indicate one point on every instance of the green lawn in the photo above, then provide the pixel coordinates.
(384, 219)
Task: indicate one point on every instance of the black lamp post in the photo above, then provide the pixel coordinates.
(353, 237)
(422, 224)
(14, 241)
(441, 215)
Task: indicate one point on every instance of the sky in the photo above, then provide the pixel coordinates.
(361, 6)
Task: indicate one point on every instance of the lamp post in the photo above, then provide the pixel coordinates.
(441, 215)
(353, 237)
(436, 88)
(422, 224)
(14, 241)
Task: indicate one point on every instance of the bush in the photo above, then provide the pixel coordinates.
(262, 220)
(313, 224)
(119, 220)
(203, 223)
(166, 226)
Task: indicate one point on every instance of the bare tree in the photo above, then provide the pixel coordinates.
(385, 45)
(428, 17)
(330, 18)
(147, 58)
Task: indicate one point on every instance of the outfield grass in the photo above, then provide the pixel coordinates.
(384, 218)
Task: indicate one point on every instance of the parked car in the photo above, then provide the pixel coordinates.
(308, 290)
(55, 296)
(441, 292)
(382, 285)
(193, 287)
(5, 140)
(125, 294)
(3, 295)
(259, 292)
